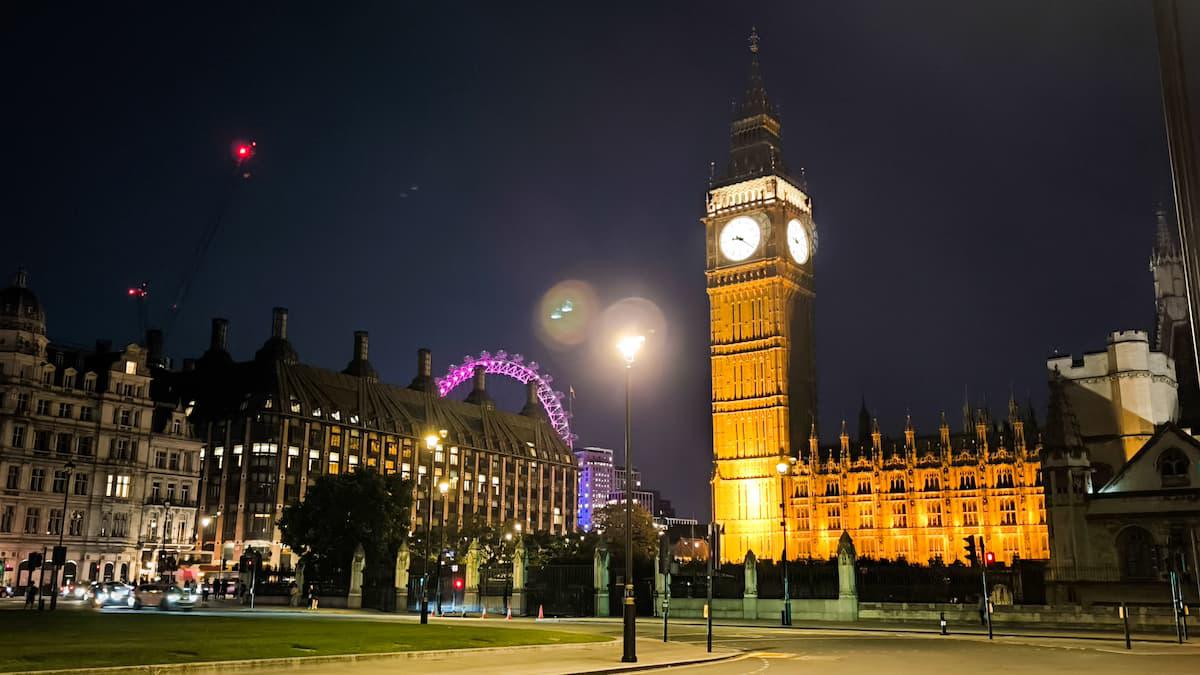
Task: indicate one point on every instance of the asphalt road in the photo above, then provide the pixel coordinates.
(875, 653)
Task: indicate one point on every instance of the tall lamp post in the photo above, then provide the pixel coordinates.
(784, 467)
(205, 521)
(444, 488)
(629, 347)
(62, 530)
(432, 441)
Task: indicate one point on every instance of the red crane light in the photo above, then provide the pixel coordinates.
(244, 151)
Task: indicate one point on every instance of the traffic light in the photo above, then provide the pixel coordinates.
(972, 553)
(35, 560)
(458, 584)
(989, 557)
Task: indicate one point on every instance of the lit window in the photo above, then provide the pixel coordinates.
(130, 368)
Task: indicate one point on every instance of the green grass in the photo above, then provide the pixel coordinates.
(80, 639)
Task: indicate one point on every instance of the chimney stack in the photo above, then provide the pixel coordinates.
(479, 391)
(22, 279)
(279, 323)
(360, 345)
(533, 405)
(219, 341)
(424, 378)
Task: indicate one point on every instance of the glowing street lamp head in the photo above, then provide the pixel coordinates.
(517, 527)
(431, 440)
(205, 521)
(443, 487)
(629, 346)
(782, 467)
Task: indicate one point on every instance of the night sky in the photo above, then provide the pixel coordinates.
(984, 181)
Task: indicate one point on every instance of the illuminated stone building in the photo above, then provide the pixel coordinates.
(93, 449)
(915, 498)
(760, 241)
(272, 425)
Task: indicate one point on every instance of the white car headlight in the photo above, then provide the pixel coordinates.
(172, 597)
(103, 595)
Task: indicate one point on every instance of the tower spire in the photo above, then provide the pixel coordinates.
(756, 148)
(1164, 237)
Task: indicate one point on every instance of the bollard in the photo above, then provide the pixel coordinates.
(942, 621)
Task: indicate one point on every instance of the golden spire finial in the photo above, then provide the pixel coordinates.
(753, 40)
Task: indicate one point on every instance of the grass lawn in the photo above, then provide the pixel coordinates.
(77, 639)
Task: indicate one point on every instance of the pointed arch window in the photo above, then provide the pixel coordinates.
(1173, 468)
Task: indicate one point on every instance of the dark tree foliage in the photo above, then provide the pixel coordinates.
(339, 513)
(609, 520)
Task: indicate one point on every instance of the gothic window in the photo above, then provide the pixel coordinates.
(1173, 468)
(970, 514)
(966, 481)
(935, 514)
(900, 515)
(831, 488)
(932, 483)
(866, 517)
(1004, 478)
(864, 486)
(835, 518)
(1008, 511)
(1136, 550)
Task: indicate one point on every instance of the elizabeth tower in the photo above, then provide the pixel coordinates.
(760, 244)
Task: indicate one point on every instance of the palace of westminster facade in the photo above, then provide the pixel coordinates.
(914, 499)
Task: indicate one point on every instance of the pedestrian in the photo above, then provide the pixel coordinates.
(30, 596)
(293, 594)
(312, 596)
(204, 586)
(983, 610)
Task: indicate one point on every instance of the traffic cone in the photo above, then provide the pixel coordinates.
(540, 614)
(508, 615)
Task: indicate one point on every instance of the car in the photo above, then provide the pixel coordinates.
(109, 593)
(161, 596)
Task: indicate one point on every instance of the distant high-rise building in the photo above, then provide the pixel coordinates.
(596, 476)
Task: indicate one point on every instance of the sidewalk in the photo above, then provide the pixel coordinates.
(591, 658)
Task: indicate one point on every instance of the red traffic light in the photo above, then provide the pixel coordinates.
(990, 557)
(458, 584)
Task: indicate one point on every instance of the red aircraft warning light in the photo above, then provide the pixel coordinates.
(244, 151)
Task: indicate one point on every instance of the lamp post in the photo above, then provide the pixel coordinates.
(62, 530)
(629, 346)
(432, 441)
(784, 467)
(444, 488)
(205, 521)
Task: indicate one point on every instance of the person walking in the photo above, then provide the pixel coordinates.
(30, 596)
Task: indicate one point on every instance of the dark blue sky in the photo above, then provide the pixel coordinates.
(984, 177)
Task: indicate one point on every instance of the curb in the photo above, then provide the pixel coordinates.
(657, 666)
(287, 662)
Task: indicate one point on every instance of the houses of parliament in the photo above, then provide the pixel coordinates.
(914, 498)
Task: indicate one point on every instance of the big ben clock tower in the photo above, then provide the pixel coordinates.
(760, 244)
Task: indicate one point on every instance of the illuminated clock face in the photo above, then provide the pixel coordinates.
(740, 238)
(797, 239)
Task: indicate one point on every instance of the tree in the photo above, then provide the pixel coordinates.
(609, 521)
(339, 513)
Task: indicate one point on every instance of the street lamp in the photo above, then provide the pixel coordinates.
(444, 488)
(432, 441)
(62, 530)
(784, 467)
(629, 346)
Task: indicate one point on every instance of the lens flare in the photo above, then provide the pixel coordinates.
(564, 316)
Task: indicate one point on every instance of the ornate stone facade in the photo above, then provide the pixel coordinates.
(94, 428)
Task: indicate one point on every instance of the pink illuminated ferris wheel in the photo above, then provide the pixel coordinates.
(514, 366)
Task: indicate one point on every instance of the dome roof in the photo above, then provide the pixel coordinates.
(20, 308)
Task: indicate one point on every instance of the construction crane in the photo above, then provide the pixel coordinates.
(242, 152)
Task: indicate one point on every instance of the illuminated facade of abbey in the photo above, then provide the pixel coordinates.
(914, 498)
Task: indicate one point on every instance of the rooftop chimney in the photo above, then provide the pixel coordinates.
(279, 323)
(424, 379)
(479, 392)
(359, 365)
(22, 278)
(219, 341)
(360, 345)
(533, 405)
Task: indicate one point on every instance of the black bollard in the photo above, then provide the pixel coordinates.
(942, 621)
